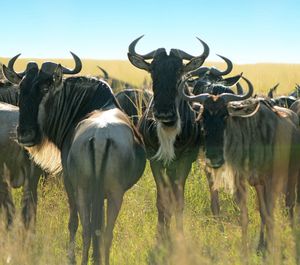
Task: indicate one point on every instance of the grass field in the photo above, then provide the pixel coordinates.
(207, 240)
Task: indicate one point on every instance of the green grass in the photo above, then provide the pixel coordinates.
(135, 232)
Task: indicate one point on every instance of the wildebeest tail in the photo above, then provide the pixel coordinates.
(99, 160)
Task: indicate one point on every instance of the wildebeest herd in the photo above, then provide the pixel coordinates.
(78, 127)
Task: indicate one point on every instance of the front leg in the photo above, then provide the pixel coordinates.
(241, 198)
(183, 168)
(163, 200)
(29, 199)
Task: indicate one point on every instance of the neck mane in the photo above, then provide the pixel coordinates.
(63, 109)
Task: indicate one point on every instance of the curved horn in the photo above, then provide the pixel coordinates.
(11, 63)
(78, 66)
(239, 89)
(217, 72)
(199, 98)
(232, 97)
(200, 71)
(106, 76)
(150, 55)
(185, 56)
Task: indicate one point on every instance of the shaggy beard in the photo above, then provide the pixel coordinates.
(47, 156)
(166, 137)
(223, 177)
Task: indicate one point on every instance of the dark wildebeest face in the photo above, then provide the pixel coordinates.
(33, 88)
(214, 118)
(34, 85)
(166, 72)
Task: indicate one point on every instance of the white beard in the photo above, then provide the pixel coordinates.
(223, 177)
(47, 156)
(166, 136)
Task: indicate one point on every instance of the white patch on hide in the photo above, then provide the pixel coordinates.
(167, 136)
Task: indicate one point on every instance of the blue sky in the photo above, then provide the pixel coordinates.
(244, 31)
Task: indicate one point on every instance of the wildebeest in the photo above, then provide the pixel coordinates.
(282, 101)
(296, 91)
(80, 119)
(134, 102)
(22, 171)
(115, 84)
(16, 169)
(210, 80)
(169, 129)
(9, 93)
(247, 140)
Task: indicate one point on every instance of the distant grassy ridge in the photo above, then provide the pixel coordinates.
(262, 75)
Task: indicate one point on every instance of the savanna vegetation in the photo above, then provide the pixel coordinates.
(207, 240)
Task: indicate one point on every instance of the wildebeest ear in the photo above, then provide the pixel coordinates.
(230, 81)
(11, 76)
(57, 76)
(139, 62)
(193, 64)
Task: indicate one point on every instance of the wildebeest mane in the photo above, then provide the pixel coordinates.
(63, 109)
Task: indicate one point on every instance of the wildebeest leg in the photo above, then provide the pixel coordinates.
(83, 204)
(73, 220)
(241, 197)
(270, 203)
(163, 200)
(6, 201)
(290, 198)
(183, 167)
(29, 200)
(263, 215)
(214, 195)
(114, 202)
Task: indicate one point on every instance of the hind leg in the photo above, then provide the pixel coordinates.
(114, 202)
(83, 204)
(73, 220)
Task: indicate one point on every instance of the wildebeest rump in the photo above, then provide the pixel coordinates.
(251, 141)
(169, 129)
(81, 117)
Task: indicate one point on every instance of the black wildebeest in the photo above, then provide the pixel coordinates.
(134, 102)
(169, 128)
(115, 84)
(282, 101)
(210, 80)
(22, 171)
(94, 142)
(247, 140)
